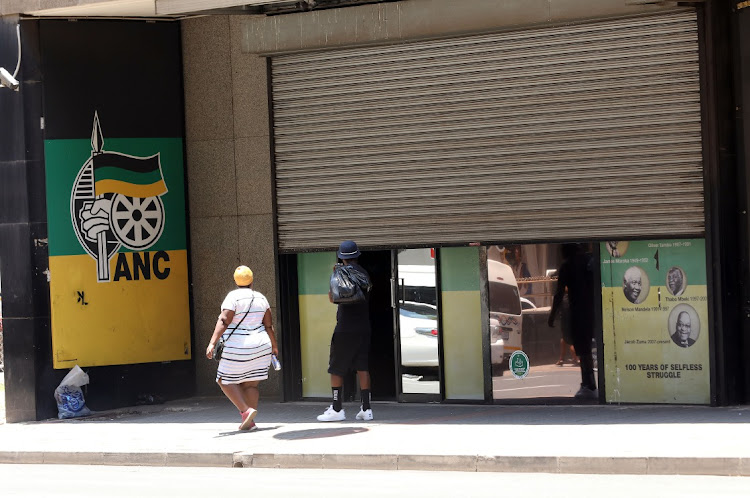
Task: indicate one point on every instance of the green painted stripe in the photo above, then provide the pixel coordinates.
(459, 269)
(688, 254)
(63, 160)
(314, 272)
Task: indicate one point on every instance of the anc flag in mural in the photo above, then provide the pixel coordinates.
(132, 176)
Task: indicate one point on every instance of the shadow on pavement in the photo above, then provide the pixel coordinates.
(238, 432)
(320, 433)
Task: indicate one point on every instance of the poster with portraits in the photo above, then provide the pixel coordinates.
(655, 321)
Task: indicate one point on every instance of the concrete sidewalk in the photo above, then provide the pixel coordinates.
(552, 439)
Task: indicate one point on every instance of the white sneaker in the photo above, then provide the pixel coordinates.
(364, 414)
(331, 415)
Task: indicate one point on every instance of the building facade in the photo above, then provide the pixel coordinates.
(451, 140)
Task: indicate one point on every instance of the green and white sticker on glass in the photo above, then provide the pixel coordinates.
(519, 364)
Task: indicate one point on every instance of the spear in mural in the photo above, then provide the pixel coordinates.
(102, 260)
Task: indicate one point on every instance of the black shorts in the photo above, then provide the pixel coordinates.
(349, 351)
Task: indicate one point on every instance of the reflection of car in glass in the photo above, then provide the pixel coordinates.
(526, 304)
(497, 348)
(419, 335)
(505, 312)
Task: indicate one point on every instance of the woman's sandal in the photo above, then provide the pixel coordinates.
(560, 363)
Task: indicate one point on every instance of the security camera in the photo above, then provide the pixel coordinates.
(8, 80)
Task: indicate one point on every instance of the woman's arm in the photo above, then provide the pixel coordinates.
(268, 324)
(221, 325)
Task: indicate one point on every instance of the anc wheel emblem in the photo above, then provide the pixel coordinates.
(137, 223)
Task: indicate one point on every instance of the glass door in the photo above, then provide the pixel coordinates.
(416, 321)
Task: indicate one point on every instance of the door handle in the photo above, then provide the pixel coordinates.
(393, 293)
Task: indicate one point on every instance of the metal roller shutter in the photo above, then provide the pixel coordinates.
(563, 133)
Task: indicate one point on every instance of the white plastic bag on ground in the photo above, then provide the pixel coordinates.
(69, 396)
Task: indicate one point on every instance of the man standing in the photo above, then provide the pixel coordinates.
(681, 335)
(350, 344)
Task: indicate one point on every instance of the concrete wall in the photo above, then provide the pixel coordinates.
(395, 22)
(229, 177)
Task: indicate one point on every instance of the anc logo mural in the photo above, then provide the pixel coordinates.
(116, 201)
(118, 265)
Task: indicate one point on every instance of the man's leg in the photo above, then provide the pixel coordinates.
(587, 371)
(335, 412)
(362, 363)
(586, 363)
(364, 388)
(337, 388)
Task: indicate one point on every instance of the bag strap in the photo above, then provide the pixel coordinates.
(249, 308)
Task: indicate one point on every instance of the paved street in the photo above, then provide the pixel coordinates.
(69, 481)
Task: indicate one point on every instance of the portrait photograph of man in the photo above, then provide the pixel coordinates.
(684, 325)
(617, 249)
(676, 281)
(635, 285)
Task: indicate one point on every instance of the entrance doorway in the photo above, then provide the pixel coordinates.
(404, 359)
(382, 357)
(416, 320)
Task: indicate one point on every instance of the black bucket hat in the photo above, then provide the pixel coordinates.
(348, 250)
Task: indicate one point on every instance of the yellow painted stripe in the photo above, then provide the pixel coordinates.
(462, 345)
(118, 323)
(317, 319)
(635, 341)
(130, 189)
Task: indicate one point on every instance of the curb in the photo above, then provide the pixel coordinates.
(143, 459)
(727, 467)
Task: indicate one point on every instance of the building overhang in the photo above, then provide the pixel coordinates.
(165, 8)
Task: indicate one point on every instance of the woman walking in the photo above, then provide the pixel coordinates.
(246, 325)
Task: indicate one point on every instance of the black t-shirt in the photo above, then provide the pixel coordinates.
(354, 317)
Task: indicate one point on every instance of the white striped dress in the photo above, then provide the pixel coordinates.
(247, 353)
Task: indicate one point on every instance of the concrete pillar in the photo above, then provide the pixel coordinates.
(229, 177)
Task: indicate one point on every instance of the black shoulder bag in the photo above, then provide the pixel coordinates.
(348, 285)
(219, 348)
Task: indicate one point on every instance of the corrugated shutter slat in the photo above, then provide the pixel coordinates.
(564, 133)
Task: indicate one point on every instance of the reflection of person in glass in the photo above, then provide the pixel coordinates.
(577, 277)
(520, 268)
(631, 284)
(675, 281)
(681, 335)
